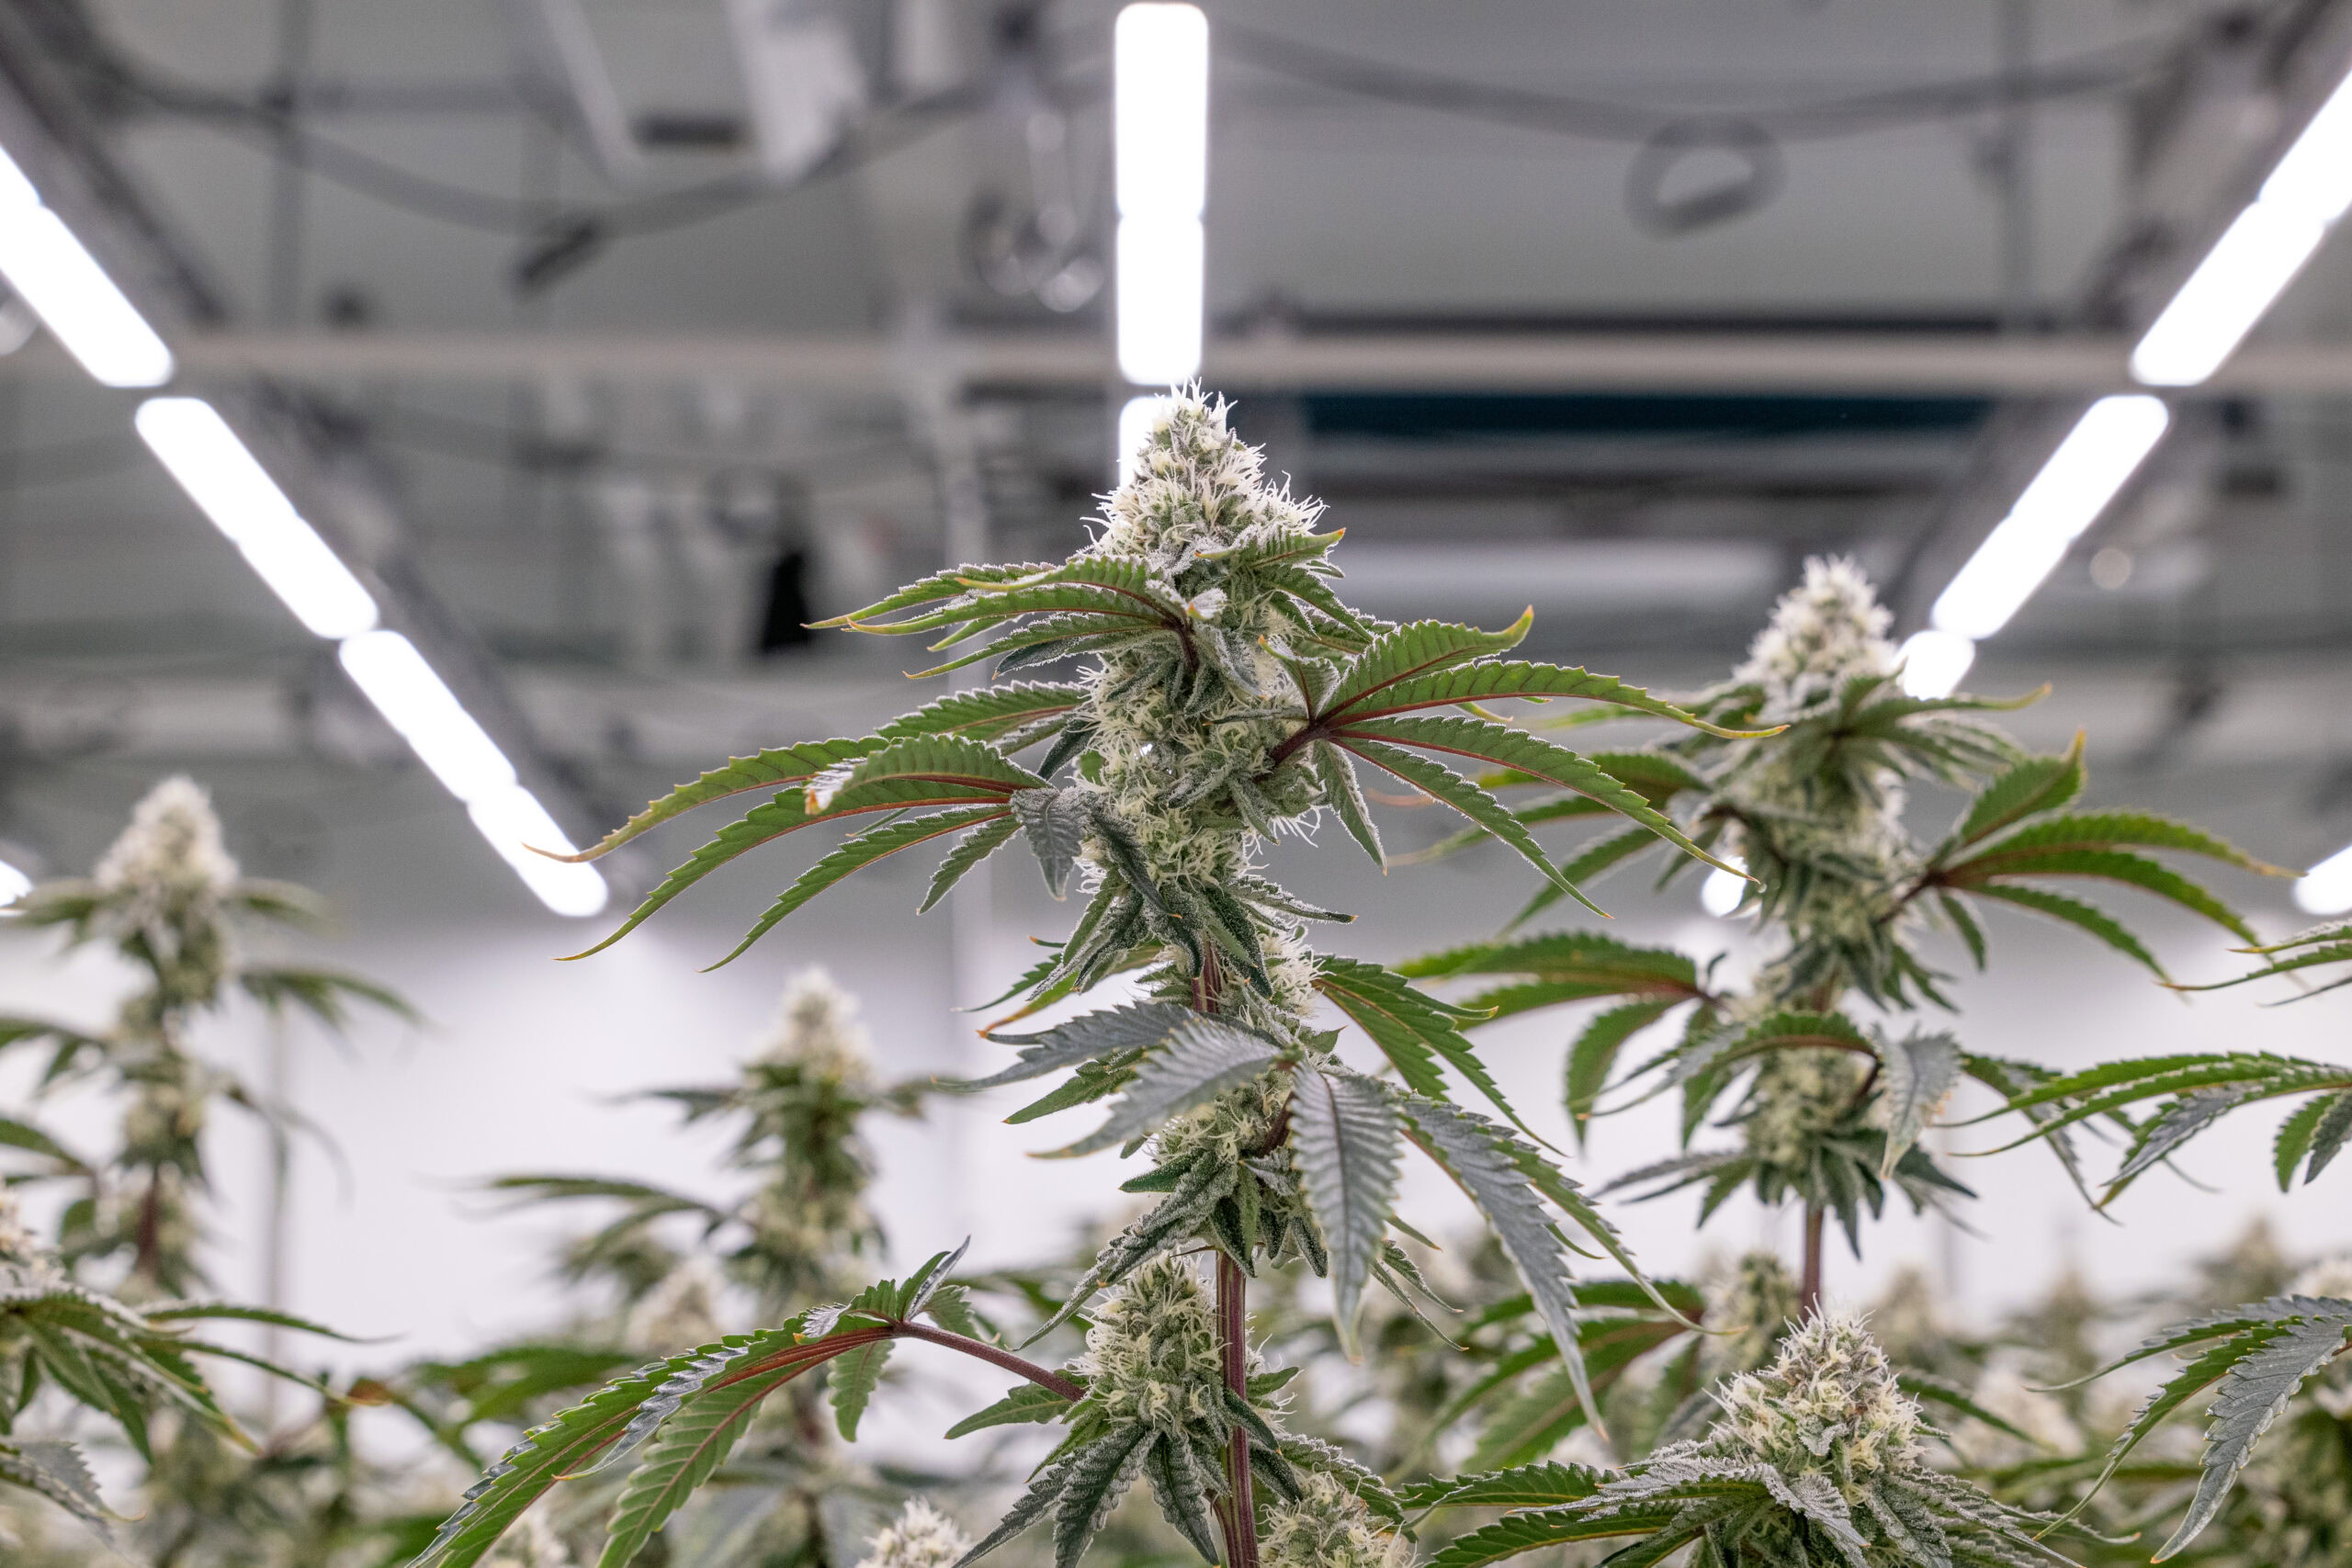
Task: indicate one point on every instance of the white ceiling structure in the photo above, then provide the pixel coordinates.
(606, 339)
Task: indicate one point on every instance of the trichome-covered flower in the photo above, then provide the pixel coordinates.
(1152, 1355)
(1824, 632)
(921, 1537)
(1829, 1402)
(1328, 1526)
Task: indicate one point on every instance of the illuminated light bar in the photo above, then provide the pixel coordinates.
(2258, 256)
(54, 273)
(1136, 418)
(414, 701)
(1934, 662)
(1721, 894)
(2097, 460)
(1159, 68)
(232, 488)
(2326, 888)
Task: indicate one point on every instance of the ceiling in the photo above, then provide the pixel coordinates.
(631, 394)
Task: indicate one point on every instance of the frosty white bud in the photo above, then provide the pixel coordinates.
(17, 1242)
(2330, 1277)
(921, 1537)
(1153, 1357)
(1797, 1096)
(1756, 1301)
(172, 849)
(1824, 632)
(818, 1031)
(680, 1313)
(1829, 1402)
(1329, 1527)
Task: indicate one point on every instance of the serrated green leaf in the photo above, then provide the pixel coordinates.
(1026, 1405)
(774, 769)
(1344, 794)
(851, 1380)
(1523, 1486)
(1916, 1072)
(1136, 1027)
(2074, 913)
(924, 769)
(1497, 743)
(1418, 648)
(1348, 1147)
(1594, 1054)
(2030, 786)
(1443, 784)
(1200, 1058)
(979, 844)
(1498, 680)
(987, 713)
(1413, 1030)
(1514, 1534)
(853, 855)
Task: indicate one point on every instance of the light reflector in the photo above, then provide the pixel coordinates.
(2098, 456)
(222, 475)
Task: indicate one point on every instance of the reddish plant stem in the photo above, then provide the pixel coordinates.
(1233, 1324)
(1809, 1291)
(987, 1352)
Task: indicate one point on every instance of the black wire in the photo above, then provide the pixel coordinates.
(2098, 71)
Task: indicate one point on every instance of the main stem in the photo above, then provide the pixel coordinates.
(1239, 1518)
(1809, 1291)
(1233, 1324)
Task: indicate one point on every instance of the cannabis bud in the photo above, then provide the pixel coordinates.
(1829, 1402)
(1823, 633)
(921, 1537)
(1328, 1526)
(1152, 1358)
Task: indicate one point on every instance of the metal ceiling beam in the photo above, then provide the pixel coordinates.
(50, 129)
(2203, 145)
(1924, 364)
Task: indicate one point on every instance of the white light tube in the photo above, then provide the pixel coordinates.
(2315, 176)
(1721, 893)
(231, 488)
(1136, 418)
(2098, 456)
(51, 272)
(13, 884)
(2326, 888)
(1160, 75)
(2258, 256)
(513, 820)
(1160, 300)
(414, 701)
(1933, 662)
(1159, 68)
(387, 667)
(2239, 279)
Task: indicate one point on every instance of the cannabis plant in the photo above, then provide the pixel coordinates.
(1221, 694)
(63, 1345)
(2257, 1357)
(1819, 1458)
(168, 898)
(1826, 1101)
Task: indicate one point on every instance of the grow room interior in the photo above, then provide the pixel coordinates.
(434, 428)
